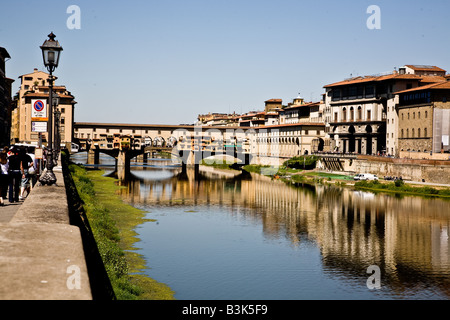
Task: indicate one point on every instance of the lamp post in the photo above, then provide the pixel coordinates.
(57, 134)
(51, 51)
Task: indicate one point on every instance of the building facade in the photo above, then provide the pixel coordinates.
(424, 119)
(5, 99)
(33, 87)
(364, 110)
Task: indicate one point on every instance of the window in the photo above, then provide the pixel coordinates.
(414, 115)
(401, 134)
(426, 114)
(335, 116)
(412, 133)
(352, 92)
(425, 133)
(359, 113)
(344, 114)
(352, 114)
(407, 133)
(369, 115)
(418, 114)
(418, 133)
(370, 92)
(360, 92)
(336, 94)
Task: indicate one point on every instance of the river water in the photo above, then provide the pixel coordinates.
(226, 236)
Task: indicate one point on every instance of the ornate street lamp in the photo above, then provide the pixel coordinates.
(51, 51)
(57, 133)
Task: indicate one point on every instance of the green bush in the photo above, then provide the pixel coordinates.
(399, 183)
(306, 162)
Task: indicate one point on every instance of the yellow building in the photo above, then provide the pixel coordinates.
(26, 126)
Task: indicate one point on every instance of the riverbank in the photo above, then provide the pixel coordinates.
(299, 176)
(113, 223)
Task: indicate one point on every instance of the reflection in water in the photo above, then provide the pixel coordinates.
(408, 238)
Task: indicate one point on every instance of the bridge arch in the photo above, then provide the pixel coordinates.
(159, 142)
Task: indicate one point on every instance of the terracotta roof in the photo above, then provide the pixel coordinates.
(432, 79)
(45, 95)
(308, 104)
(294, 124)
(366, 79)
(433, 86)
(424, 68)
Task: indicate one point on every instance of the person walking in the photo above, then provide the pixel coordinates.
(4, 166)
(33, 168)
(25, 161)
(15, 175)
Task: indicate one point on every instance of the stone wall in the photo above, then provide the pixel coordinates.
(431, 171)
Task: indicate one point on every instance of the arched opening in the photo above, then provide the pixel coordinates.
(351, 139)
(368, 145)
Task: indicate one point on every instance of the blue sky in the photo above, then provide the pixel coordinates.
(165, 62)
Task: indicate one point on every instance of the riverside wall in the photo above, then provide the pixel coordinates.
(431, 171)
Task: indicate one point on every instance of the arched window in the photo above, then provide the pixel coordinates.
(402, 133)
(352, 114)
(426, 114)
(344, 114)
(418, 133)
(412, 133)
(407, 133)
(425, 133)
(359, 113)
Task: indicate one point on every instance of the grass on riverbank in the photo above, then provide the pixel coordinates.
(401, 187)
(113, 223)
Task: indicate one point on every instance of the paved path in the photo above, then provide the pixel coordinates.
(41, 254)
(8, 211)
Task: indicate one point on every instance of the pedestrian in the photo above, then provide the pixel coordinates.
(32, 168)
(25, 161)
(4, 166)
(15, 175)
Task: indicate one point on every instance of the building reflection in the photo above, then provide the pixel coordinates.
(408, 238)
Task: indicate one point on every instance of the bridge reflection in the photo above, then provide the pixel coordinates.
(353, 229)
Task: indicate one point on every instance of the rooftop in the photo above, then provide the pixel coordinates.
(432, 86)
(417, 67)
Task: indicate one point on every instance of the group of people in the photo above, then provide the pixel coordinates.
(18, 173)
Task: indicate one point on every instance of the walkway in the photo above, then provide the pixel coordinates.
(41, 254)
(8, 211)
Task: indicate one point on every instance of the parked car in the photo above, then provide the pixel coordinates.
(365, 176)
